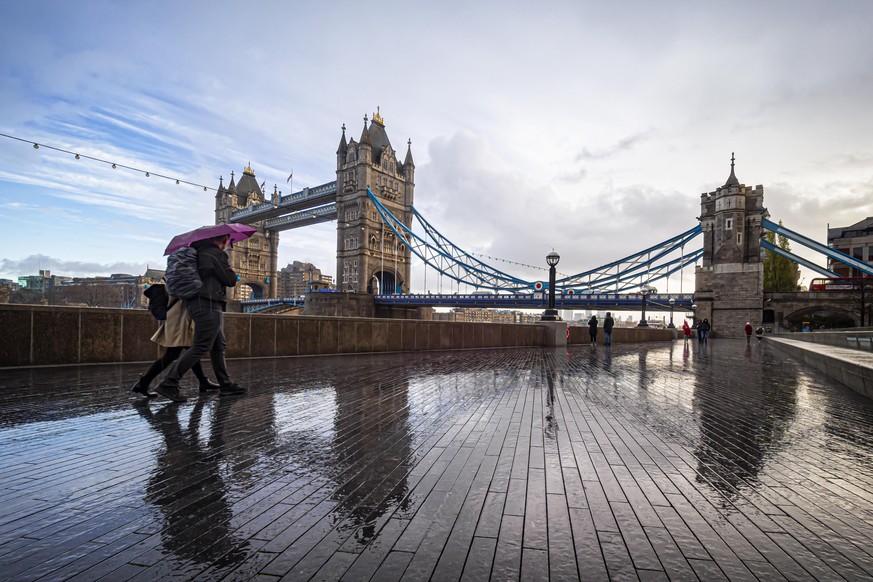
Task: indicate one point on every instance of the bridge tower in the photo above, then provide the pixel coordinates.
(729, 284)
(255, 260)
(370, 258)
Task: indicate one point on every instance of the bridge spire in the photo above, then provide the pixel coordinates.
(365, 135)
(732, 179)
(408, 161)
(343, 146)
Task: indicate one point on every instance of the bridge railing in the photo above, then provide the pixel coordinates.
(287, 200)
(682, 301)
(320, 214)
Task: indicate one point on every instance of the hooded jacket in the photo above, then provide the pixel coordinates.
(215, 272)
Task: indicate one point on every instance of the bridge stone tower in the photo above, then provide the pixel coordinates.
(255, 260)
(370, 258)
(729, 284)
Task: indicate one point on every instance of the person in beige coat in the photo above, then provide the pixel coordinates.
(175, 334)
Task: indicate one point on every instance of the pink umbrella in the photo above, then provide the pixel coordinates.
(236, 232)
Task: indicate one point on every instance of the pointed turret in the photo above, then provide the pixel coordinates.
(342, 150)
(732, 179)
(343, 146)
(365, 135)
(365, 150)
(408, 161)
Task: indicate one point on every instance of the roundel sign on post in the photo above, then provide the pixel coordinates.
(571, 292)
(538, 286)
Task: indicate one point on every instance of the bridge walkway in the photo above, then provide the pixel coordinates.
(643, 462)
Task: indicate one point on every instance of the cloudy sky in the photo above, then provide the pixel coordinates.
(587, 127)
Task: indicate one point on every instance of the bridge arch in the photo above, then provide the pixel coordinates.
(248, 289)
(386, 282)
(821, 316)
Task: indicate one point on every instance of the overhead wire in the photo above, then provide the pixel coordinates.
(147, 173)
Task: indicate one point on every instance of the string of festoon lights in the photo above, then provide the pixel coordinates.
(483, 256)
(113, 165)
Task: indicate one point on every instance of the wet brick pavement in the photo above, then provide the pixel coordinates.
(644, 463)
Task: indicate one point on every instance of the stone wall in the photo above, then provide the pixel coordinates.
(732, 297)
(36, 335)
(39, 335)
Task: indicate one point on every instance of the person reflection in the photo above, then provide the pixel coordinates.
(642, 363)
(187, 487)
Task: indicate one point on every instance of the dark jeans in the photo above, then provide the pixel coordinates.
(169, 356)
(208, 338)
(607, 337)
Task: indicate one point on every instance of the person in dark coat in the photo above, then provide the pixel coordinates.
(175, 333)
(703, 331)
(608, 324)
(748, 329)
(207, 311)
(592, 329)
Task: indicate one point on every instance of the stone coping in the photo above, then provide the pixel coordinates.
(852, 367)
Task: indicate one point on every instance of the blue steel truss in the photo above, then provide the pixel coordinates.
(631, 272)
(818, 247)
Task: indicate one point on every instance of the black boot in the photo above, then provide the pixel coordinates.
(207, 384)
(142, 388)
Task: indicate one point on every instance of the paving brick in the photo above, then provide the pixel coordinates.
(643, 462)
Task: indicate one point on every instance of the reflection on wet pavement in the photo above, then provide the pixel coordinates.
(639, 462)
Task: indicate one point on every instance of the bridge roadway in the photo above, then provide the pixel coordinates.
(643, 462)
(597, 301)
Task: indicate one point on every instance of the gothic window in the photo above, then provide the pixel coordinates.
(728, 223)
(352, 155)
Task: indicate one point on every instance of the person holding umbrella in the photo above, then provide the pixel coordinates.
(207, 308)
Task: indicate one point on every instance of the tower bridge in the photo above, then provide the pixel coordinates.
(379, 230)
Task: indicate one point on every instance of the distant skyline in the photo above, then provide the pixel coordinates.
(586, 127)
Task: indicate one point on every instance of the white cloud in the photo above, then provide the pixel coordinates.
(588, 128)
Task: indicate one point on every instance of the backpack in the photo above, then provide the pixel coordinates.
(159, 301)
(182, 277)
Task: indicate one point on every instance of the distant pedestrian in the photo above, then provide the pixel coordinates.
(703, 331)
(207, 311)
(759, 332)
(592, 329)
(748, 329)
(608, 324)
(686, 331)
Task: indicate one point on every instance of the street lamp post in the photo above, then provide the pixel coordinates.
(672, 302)
(551, 314)
(644, 291)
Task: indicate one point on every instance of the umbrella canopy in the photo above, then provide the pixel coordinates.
(236, 232)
